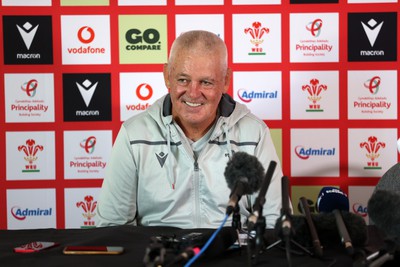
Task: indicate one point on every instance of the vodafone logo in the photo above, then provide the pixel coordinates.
(144, 91)
(86, 35)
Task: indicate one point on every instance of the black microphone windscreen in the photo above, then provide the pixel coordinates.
(332, 198)
(383, 209)
(325, 224)
(244, 165)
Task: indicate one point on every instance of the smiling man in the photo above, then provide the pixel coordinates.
(167, 164)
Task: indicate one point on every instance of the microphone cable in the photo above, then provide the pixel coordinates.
(209, 241)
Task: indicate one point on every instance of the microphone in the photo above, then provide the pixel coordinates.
(260, 200)
(311, 226)
(286, 226)
(325, 224)
(330, 198)
(243, 175)
(383, 209)
(334, 200)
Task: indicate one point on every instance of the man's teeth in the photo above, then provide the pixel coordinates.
(192, 104)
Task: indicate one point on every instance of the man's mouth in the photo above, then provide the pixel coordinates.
(191, 104)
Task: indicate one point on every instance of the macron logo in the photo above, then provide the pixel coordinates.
(372, 29)
(27, 33)
(87, 91)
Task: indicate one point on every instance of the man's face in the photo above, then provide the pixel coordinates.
(196, 82)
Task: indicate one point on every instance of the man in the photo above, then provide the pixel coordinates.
(167, 164)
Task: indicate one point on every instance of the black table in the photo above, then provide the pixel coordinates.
(135, 241)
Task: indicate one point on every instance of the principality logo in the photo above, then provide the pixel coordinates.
(373, 84)
(372, 146)
(256, 32)
(27, 32)
(314, 27)
(88, 144)
(30, 87)
(30, 149)
(89, 207)
(314, 90)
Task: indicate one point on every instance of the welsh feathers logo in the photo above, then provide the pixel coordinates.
(372, 146)
(88, 206)
(256, 33)
(30, 149)
(314, 90)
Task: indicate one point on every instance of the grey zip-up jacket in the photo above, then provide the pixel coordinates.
(153, 178)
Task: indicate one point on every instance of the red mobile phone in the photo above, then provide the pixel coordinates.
(93, 250)
(34, 246)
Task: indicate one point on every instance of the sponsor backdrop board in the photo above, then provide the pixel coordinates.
(322, 74)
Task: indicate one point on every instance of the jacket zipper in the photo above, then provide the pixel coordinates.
(197, 193)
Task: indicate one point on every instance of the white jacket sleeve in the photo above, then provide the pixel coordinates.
(117, 200)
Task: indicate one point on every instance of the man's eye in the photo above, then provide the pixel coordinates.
(182, 81)
(206, 83)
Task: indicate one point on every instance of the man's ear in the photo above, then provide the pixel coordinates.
(165, 73)
(228, 77)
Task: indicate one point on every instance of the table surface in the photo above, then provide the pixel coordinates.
(135, 241)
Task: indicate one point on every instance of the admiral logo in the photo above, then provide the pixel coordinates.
(314, 90)
(372, 146)
(256, 33)
(30, 149)
(21, 214)
(27, 40)
(247, 96)
(87, 97)
(372, 36)
(360, 209)
(306, 153)
(148, 40)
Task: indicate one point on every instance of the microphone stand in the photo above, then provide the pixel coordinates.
(236, 223)
(284, 225)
